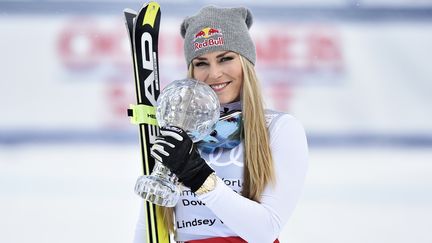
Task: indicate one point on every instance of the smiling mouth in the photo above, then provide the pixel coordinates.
(220, 86)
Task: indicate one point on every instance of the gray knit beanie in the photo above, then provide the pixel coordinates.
(218, 29)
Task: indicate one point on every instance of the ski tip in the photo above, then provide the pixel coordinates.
(129, 11)
(153, 5)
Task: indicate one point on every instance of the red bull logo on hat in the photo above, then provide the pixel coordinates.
(207, 32)
(204, 35)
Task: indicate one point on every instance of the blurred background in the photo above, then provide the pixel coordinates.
(356, 73)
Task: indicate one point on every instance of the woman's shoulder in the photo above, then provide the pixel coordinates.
(283, 123)
(273, 117)
(285, 131)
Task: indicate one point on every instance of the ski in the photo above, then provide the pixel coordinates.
(143, 31)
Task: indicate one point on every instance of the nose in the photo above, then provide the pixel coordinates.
(215, 72)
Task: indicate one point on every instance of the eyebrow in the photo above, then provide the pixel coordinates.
(218, 56)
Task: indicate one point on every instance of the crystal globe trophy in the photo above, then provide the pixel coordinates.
(193, 106)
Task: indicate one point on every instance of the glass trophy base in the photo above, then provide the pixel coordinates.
(157, 190)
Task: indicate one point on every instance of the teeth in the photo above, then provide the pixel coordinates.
(219, 86)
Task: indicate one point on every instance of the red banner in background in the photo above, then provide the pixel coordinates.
(288, 55)
(335, 76)
(85, 44)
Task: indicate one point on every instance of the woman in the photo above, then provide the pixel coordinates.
(242, 191)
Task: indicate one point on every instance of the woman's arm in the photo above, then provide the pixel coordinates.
(263, 222)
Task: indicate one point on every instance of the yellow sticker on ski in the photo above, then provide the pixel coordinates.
(151, 13)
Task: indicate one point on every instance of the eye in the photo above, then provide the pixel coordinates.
(226, 58)
(199, 64)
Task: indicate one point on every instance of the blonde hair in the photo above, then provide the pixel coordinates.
(258, 162)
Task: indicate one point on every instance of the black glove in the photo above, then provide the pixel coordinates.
(177, 152)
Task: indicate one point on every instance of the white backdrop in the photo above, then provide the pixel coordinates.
(75, 73)
(69, 157)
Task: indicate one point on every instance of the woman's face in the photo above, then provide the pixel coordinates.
(222, 70)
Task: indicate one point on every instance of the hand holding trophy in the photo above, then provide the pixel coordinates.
(193, 106)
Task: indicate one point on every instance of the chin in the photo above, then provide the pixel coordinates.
(226, 101)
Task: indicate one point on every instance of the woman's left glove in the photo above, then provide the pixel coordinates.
(177, 152)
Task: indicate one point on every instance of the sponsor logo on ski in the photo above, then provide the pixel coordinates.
(151, 82)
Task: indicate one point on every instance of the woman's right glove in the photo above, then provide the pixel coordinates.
(177, 152)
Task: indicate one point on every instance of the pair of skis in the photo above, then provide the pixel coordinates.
(143, 30)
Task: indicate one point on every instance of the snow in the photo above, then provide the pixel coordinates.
(84, 193)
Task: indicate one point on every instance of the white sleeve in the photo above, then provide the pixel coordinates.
(140, 228)
(263, 222)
